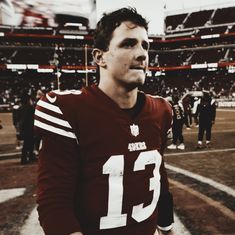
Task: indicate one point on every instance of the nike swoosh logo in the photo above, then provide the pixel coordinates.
(51, 99)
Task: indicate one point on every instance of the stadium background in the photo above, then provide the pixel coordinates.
(45, 50)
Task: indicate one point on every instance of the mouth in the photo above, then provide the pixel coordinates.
(139, 68)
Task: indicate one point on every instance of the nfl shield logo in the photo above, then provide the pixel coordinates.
(134, 130)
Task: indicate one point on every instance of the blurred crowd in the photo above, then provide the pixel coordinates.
(13, 85)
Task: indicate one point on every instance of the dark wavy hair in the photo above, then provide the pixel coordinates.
(109, 22)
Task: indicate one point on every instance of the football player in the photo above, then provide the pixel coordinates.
(101, 167)
(205, 114)
(178, 122)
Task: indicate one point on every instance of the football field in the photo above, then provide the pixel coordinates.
(202, 182)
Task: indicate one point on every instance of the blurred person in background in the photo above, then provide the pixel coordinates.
(178, 122)
(16, 122)
(106, 177)
(26, 128)
(187, 112)
(196, 102)
(205, 114)
(37, 138)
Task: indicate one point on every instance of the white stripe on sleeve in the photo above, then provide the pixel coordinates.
(52, 119)
(54, 129)
(51, 107)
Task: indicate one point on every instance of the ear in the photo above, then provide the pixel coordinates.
(98, 56)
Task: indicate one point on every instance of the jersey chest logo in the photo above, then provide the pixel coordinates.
(134, 130)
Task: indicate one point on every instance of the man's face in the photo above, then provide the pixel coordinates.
(127, 55)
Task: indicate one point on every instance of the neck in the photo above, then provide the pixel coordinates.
(119, 94)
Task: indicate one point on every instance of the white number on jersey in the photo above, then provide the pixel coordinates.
(114, 167)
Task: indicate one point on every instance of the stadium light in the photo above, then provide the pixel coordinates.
(45, 70)
(72, 24)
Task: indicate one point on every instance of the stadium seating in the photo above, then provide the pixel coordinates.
(173, 21)
(198, 18)
(225, 15)
(204, 20)
(196, 52)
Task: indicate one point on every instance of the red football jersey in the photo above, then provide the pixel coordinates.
(100, 171)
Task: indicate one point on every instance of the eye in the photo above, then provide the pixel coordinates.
(145, 45)
(128, 43)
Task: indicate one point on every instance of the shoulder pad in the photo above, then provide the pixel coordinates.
(53, 116)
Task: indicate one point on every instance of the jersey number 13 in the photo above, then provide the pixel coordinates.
(114, 167)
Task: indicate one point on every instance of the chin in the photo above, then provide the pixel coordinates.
(134, 84)
(140, 80)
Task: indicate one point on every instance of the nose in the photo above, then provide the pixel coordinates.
(141, 57)
(141, 54)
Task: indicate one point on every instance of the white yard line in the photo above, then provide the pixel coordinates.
(7, 194)
(224, 121)
(31, 225)
(225, 110)
(202, 179)
(187, 132)
(199, 152)
(179, 228)
(10, 154)
(209, 201)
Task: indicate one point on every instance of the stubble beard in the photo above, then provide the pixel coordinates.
(135, 84)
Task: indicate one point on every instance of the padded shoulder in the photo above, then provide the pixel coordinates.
(54, 111)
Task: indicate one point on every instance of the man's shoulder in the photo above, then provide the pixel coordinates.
(64, 100)
(158, 98)
(57, 96)
(56, 112)
(160, 101)
(162, 110)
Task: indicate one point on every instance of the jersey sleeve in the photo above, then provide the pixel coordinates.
(166, 122)
(165, 217)
(57, 169)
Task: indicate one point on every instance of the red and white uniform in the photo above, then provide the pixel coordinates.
(100, 171)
